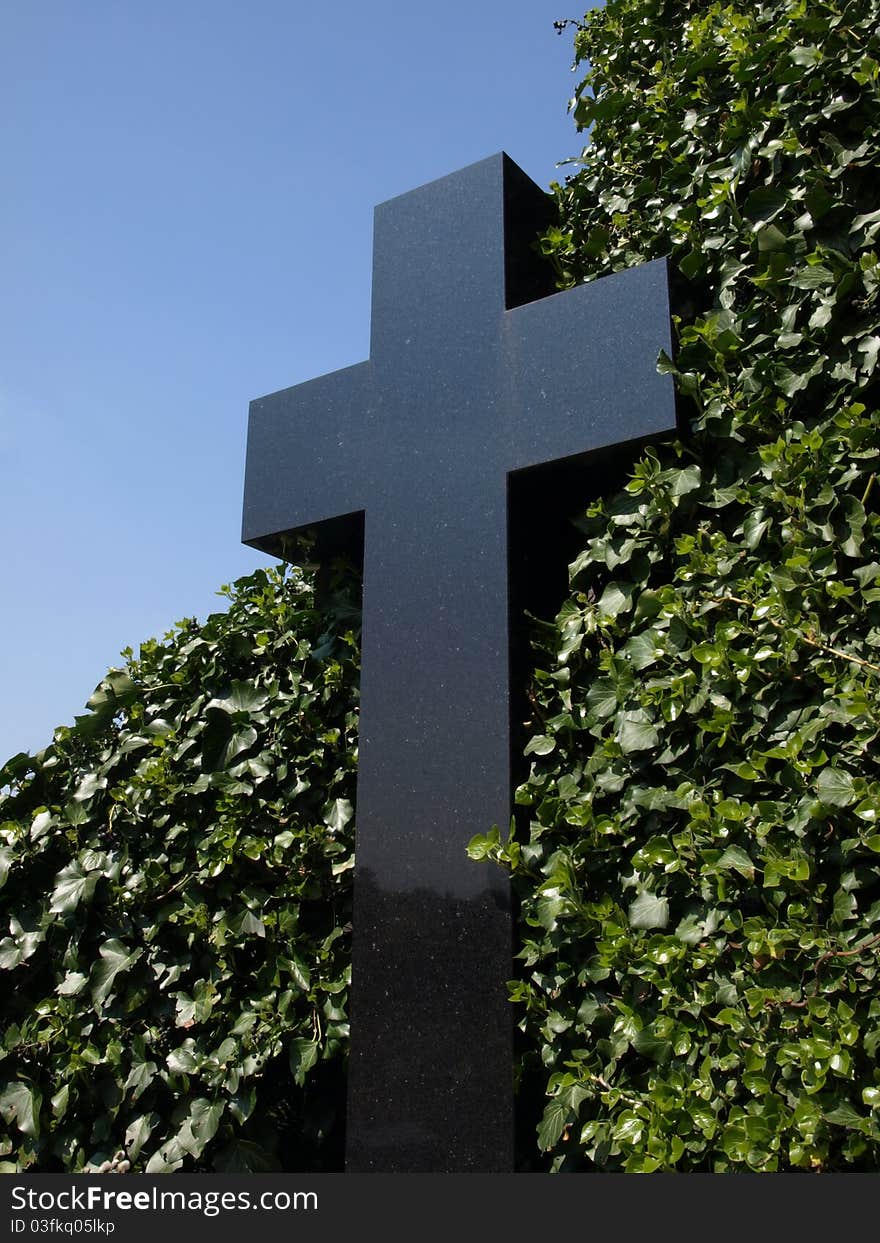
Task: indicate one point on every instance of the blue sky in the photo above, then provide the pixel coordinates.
(186, 224)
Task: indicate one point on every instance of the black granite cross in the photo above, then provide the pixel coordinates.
(468, 381)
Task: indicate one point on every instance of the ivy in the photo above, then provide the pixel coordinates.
(697, 856)
(177, 869)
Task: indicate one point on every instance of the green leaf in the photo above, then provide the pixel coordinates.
(754, 529)
(241, 740)
(72, 984)
(20, 1107)
(41, 825)
(167, 1159)
(182, 1061)
(114, 693)
(337, 813)
(764, 204)
(648, 911)
(806, 56)
(137, 1133)
(114, 961)
(6, 861)
(834, 788)
(547, 911)
(303, 1056)
(11, 955)
(644, 649)
(299, 972)
(243, 697)
(60, 1101)
(247, 924)
(541, 744)
(636, 732)
(552, 1125)
(735, 857)
(141, 1076)
(601, 698)
(19, 947)
(482, 844)
(771, 238)
(615, 599)
(692, 929)
(204, 1119)
(652, 1046)
(72, 886)
(89, 786)
(685, 481)
(815, 277)
(844, 1115)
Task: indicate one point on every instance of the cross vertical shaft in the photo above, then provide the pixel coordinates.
(430, 1072)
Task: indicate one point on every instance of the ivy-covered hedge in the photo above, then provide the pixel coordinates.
(697, 854)
(177, 871)
(700, 868)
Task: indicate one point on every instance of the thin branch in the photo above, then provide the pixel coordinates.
(160, 897)
(857, 949)
(822, 647)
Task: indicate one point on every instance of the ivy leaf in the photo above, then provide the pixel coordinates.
(113, 694)
(754, 528)
(115, 959)
(72, 984)
(6, 860)
(601, 699)
(20, 946)
(763, 205)
(243, 697)
(72, 886)
(636, 732)
(337, 814)
(806, 56)
(845, 1115)
(834, 788)
(735, 857)
(303, 1055)
(299, 972)
(685, 481)
(552, 1125)
(89, 786)
(166, 1159)
(648, 910)
(60, 1101)
(204, 1119)
(141, 1076)
(20, 1107)
(652, 1046)
(138, 1132)
(615, 599)
(41, 825)
(540, 744)
(182, 1061)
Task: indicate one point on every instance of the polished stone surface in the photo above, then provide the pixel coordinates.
(477, 371)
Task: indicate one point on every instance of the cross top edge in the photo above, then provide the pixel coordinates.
(451, 251)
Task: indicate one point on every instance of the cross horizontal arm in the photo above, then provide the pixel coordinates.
(580, 367)
(308, 455)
